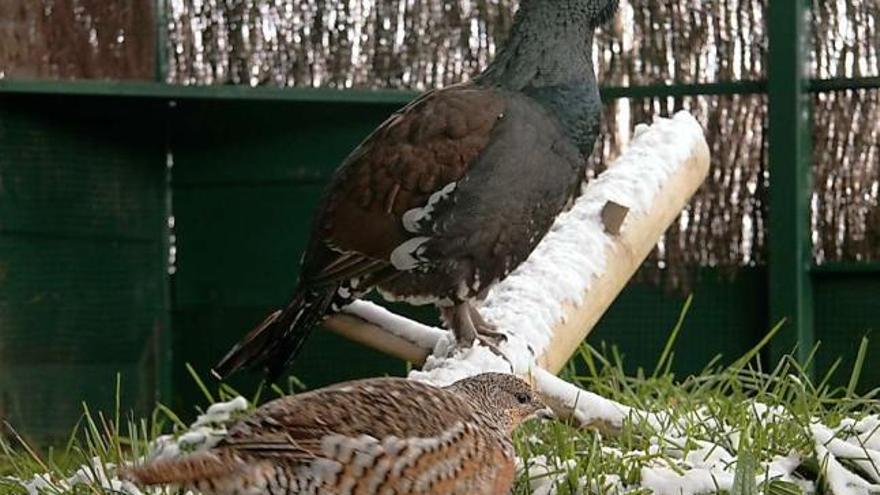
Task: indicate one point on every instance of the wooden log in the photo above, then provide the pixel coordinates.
(633, 234)
(635, 240)
(380, 329)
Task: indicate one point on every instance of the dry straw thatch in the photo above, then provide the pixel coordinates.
(77, 39)
(419, 44)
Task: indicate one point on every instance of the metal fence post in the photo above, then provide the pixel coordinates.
(165, 342)
(790, 160)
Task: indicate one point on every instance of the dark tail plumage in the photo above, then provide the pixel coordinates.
(275, 342)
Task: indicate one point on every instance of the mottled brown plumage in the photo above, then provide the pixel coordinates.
(454, 191)
(425, 146)
(378, 436)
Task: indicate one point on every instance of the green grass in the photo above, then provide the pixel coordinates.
(719, 408)
(113, 440)
(698, 417)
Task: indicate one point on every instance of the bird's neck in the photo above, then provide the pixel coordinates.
(543, 51)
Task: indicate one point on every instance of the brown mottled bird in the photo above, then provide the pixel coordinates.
(455, 190)
(378, 436)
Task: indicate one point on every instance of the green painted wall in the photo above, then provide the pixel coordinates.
(84, 290)
(847, 307)
(246, 178)
(83, 286)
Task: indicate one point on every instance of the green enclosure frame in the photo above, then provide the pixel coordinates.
(815, 301)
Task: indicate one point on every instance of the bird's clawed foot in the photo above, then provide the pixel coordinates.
(485, 329)
(468, 326)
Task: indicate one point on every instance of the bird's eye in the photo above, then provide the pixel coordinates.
(522, 397)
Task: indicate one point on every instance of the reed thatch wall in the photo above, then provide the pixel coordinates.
(77, 39)
(419, 44)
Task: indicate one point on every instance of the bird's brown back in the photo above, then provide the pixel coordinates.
(385, 435)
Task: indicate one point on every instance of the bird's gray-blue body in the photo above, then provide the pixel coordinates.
(455, 190)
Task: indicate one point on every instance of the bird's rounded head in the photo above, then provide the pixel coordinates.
(503, 397)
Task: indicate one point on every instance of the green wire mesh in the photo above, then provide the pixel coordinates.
(418, 44)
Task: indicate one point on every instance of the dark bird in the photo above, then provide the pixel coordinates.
(455, 190)
(366, 437)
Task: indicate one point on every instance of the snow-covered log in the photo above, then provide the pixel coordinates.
(376, 327)
(654, 179)
(549, 304)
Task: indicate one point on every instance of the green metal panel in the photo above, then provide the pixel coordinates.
(83, 244)
(847, 309)
(843, 84)
(237, 93)
(379, 96)
(790, 254)
(247, 177)
(727, 317)
(677, 90)
(848, 267)
(83, 290)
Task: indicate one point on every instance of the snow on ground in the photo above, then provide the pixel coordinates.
(708, 469)
(699, 473)
(845, 454)
(841, 481)
(96, 473)
(847, 457)
(202, 434)
(664, 471)
(543, 473)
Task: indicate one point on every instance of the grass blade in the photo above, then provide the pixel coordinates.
(673, 335)
(857, 368)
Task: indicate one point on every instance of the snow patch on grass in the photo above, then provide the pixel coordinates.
(96, 474)
(100, 474)
(207, 430)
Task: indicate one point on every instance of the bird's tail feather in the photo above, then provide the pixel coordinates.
(275, 342)
(186, 470)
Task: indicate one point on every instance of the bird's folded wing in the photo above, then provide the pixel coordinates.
(299, 426)
(410, 160)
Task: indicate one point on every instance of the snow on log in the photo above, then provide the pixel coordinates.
(654, 179)
(550, 303)
(376, 327)
(572, 402)
(592, 410)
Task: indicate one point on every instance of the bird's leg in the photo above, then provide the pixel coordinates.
(459, 322)
(483, 327)
(459, 319)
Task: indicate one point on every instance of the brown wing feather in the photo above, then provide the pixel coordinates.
(294, 426)
(425, 146)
